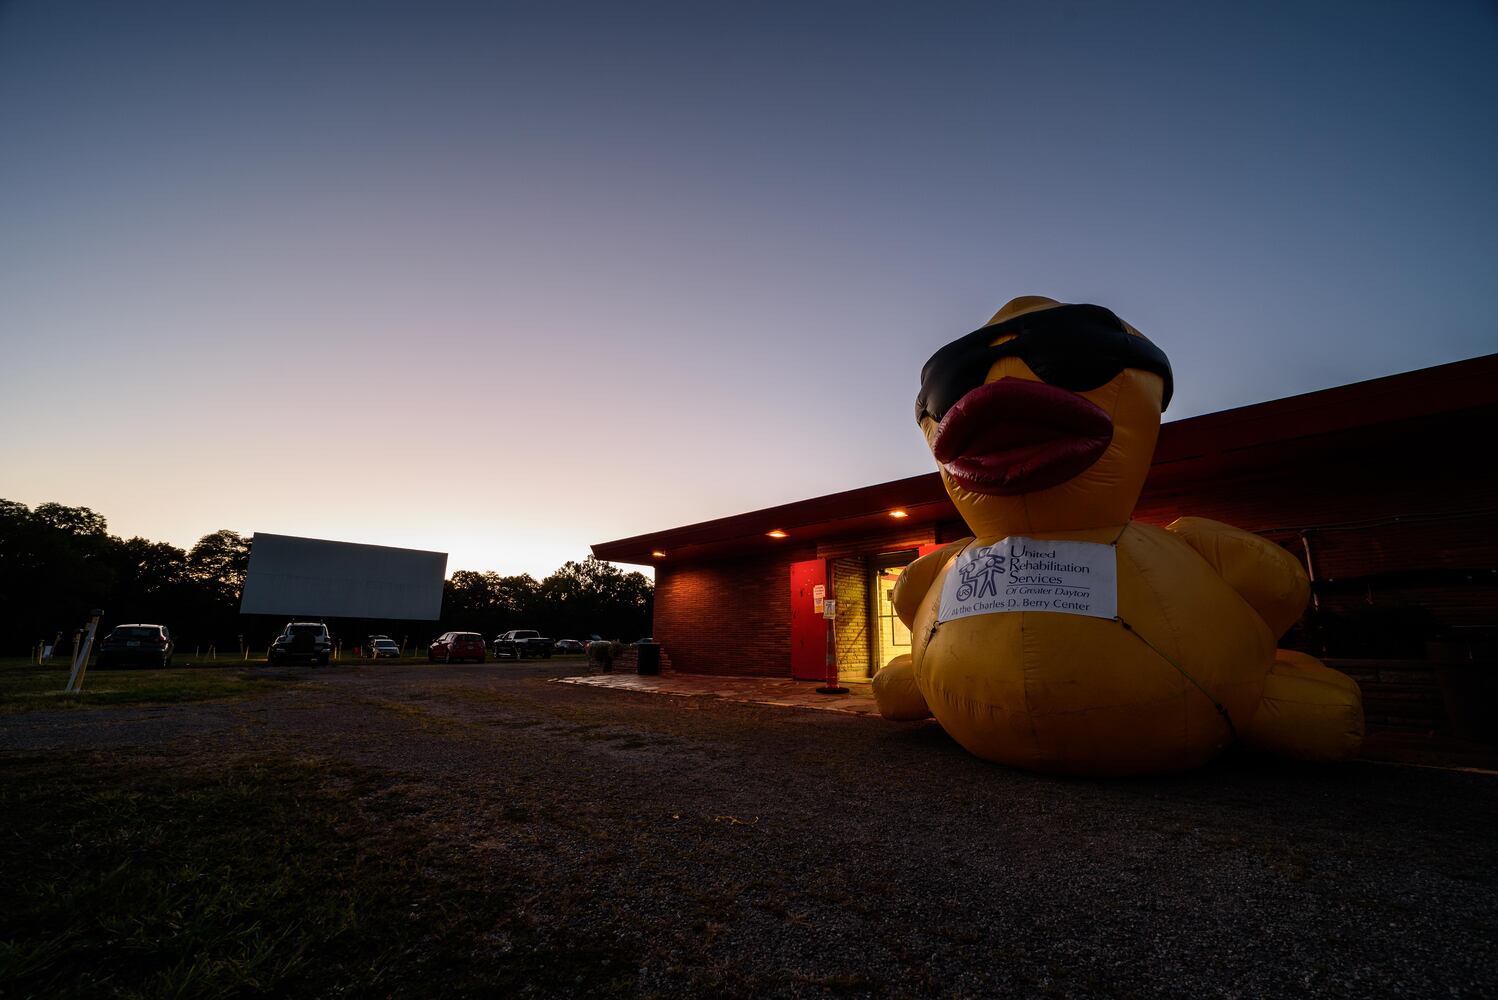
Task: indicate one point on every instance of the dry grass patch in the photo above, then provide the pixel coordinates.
(25, 687)
(261, 878)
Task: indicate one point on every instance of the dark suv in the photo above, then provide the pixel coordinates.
(147, 645)
(302, 641)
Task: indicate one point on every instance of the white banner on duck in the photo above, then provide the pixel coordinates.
(1032, 574)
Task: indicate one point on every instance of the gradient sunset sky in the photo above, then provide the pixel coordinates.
(503, 280)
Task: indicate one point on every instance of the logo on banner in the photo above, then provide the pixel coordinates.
(1031, 574)
(982, 576)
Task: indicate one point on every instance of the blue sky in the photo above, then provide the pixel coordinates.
(507, 279)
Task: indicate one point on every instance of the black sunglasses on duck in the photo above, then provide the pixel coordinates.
(1077, 347)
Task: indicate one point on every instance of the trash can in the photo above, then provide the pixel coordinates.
(648, 658)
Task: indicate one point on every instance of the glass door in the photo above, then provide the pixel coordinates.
(894, 638)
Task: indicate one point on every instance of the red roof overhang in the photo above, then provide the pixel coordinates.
(1244, 436)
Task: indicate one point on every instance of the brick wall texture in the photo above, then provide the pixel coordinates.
(851, 585)
(726, 618)
(734, 616)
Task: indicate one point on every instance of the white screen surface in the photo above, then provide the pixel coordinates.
(310, 576)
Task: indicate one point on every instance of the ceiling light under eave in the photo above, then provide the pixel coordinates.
(657, 554)
(899, 513)
(777, 533)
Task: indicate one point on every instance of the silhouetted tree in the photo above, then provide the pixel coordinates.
(517, 597)
(151, 583)
(58, 562)
(489, 603)
(77, 521)
(219, 562)
(596, 597)
(149, 567)
(54, 568)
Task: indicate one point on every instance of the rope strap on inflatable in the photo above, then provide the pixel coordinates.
(1221, 708)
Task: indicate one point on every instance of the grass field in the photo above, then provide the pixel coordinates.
(480, 831)
(245, 874)
(263, 878)
(26, 687)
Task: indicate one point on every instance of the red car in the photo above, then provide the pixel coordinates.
(450, 647)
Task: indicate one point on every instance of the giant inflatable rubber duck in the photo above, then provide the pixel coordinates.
(1064, 636)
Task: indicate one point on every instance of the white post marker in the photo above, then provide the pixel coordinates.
(80, 655)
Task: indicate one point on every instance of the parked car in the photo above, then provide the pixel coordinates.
(142, 645)
(379, 646)
(568, 647)
(523, 642)
(301, 641)
(452, 646)
(647, 641)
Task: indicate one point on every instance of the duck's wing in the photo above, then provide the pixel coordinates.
(1270, 579)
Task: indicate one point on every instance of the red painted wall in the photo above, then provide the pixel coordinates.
(808, 626)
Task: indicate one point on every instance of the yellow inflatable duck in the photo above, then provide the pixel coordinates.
(1063, 636)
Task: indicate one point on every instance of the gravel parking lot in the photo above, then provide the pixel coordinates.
(710, 847)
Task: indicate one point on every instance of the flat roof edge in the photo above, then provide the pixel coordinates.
(1445, 388)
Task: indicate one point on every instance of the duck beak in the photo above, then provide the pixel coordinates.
(1018, 436)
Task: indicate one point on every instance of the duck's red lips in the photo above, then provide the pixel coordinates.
(1017, 436)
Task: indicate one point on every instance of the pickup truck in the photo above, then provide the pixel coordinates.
(522, 642)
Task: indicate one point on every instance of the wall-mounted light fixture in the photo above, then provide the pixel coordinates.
(657, 554)
(899, 513)
(777, 533)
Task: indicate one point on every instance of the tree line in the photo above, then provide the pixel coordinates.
(59, 562)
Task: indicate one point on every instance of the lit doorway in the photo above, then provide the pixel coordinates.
(893, 638)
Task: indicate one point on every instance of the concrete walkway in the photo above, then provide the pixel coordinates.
(1422, 749)
(755, 690)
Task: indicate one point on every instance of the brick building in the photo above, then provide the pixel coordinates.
(1386, 490)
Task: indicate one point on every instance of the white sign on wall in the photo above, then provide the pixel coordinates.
(1032, 574)
(818, 595)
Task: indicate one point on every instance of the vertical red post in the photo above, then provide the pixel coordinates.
(832, 686)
